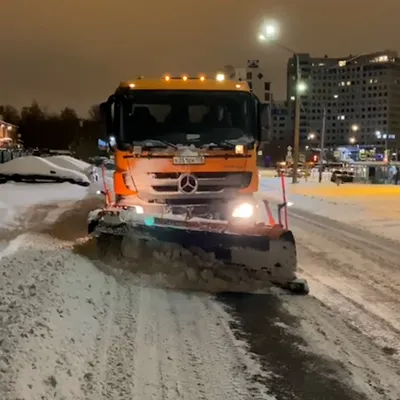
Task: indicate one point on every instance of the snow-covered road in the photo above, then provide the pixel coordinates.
(69, 330)
(355, 276)
(72, 327)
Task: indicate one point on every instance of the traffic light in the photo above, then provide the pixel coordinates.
(315, 158)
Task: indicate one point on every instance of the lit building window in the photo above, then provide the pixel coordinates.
(382, 59)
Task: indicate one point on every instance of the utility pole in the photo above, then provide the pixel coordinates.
(322, 147)
(388, 156)
(296, 141)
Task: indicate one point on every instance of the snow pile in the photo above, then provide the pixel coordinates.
(372, 207)
(40, 169)
(17, 198)
(165, 265)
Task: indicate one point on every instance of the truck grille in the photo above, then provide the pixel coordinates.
(208, 181)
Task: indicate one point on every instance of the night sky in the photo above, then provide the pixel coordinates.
(75, 52)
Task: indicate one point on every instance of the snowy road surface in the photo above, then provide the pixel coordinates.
(72, 327)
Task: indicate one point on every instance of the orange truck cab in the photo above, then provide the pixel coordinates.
(184, 145)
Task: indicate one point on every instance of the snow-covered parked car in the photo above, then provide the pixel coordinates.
(71, 163)
(37, 169)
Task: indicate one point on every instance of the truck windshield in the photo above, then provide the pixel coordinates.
(182, 117)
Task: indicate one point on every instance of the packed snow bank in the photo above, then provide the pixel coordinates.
(372, 207)
(41, 170)
(16, 198)
(71, 163)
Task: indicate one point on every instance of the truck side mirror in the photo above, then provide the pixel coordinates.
(106, 115)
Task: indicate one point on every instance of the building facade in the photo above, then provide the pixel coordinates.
(256, 78)
(281, 124)
(361, 95)
(7, 133)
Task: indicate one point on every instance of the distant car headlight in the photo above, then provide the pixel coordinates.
(244, 210)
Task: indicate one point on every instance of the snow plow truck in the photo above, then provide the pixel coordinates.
(185, 151)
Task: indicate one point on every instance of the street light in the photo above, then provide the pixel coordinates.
(386, 137)
(355, 128)
(311, 136)
(301, 87)
(270, 32)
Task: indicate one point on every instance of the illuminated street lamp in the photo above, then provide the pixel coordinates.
(386, 137)
(355, 128)
(301, 87)
(270, 32)
(311, 136)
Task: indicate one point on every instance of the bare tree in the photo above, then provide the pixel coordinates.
(9, 114)
(94, 113)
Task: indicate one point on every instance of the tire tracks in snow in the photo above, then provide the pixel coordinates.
(96, 365)
(215, 349)
(355, 275)
(383, 252)
(326, 333)
(345, 266)
(107, 337)
(118, 380)
(274, 327)
(30, 277)
(166, 345)
(158, 374)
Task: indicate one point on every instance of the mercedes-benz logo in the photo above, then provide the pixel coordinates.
(188, 184)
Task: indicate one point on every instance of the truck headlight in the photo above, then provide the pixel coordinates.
(244, 210)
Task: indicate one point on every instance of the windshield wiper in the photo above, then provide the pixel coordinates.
(164, 142)
(227, 144)
(222, 144)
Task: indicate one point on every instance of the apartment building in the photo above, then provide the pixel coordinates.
(361, 95)
(281, 124)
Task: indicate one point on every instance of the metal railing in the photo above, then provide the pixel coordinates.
(10, 154)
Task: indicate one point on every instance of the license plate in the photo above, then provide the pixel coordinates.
(188, 160)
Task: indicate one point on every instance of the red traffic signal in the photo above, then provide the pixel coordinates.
(315, 158)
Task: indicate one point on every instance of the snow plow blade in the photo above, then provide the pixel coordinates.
(261, 250)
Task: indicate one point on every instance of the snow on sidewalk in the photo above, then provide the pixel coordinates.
(372, 207)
